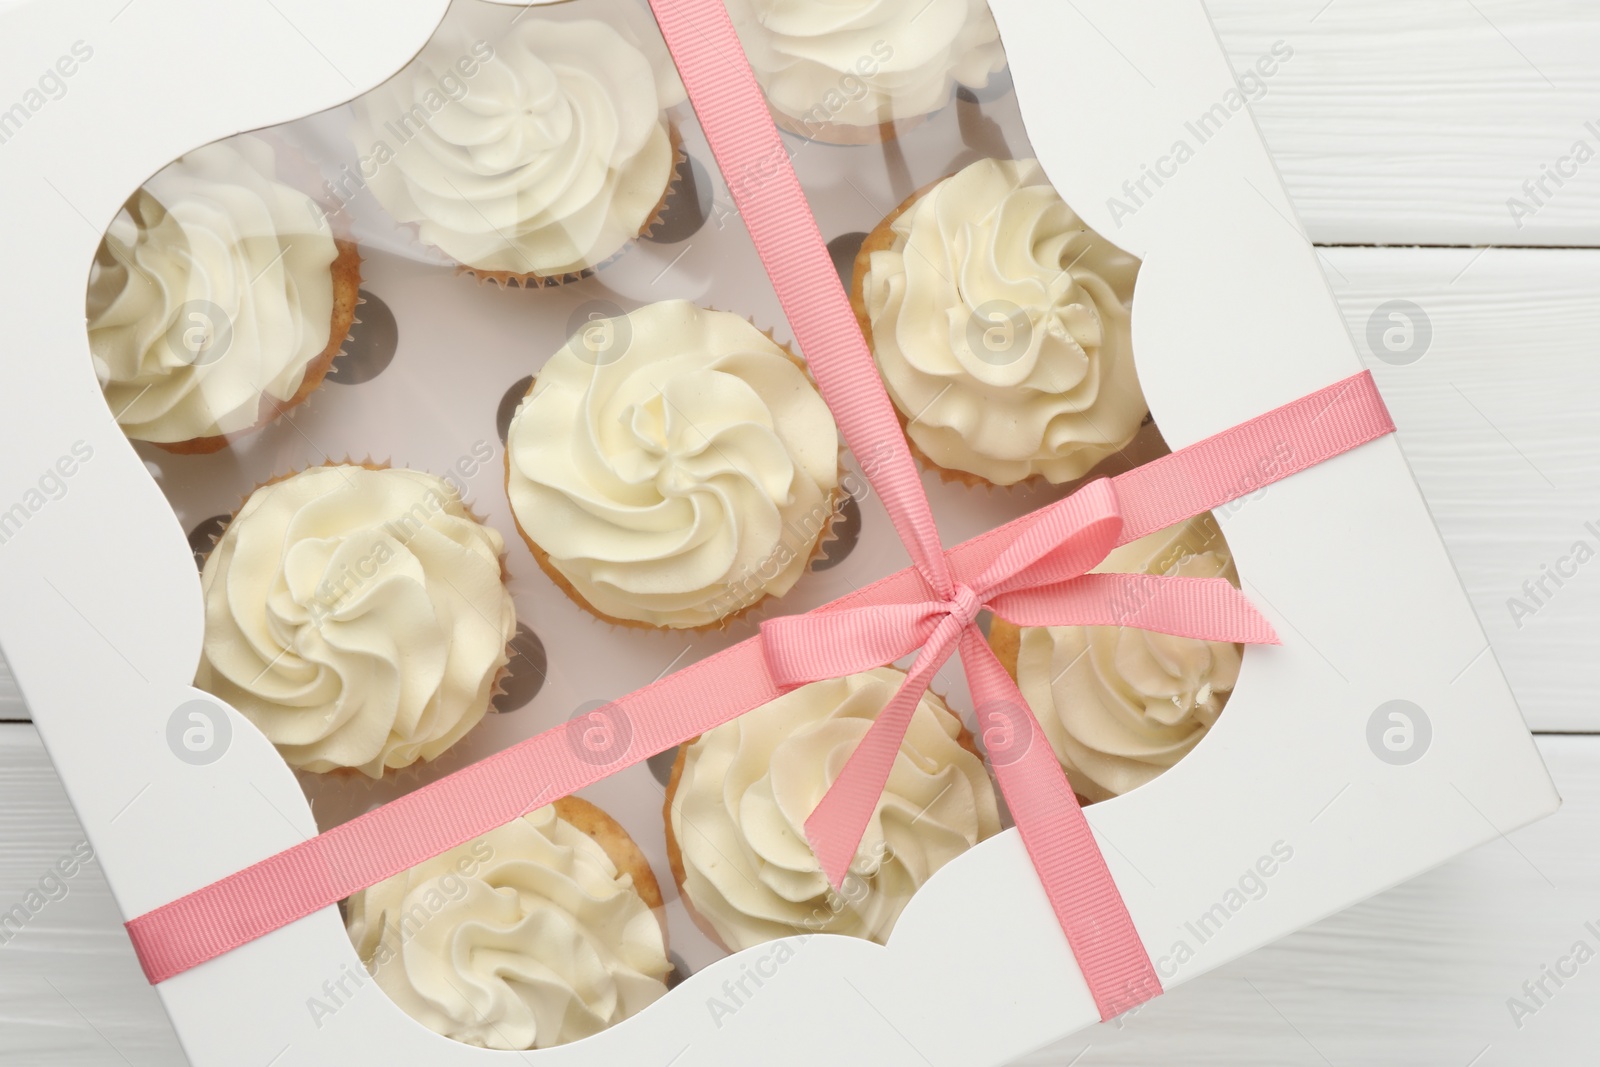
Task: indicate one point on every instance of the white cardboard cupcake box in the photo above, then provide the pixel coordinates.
(1314, 791)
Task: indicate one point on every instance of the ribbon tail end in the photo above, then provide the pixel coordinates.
(1257, 629)
(834, 855)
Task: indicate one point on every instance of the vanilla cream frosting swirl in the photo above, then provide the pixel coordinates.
(547, 159)
(1121, 705)
(865, 62)
(525, 938)
(1000, 324)
(211, 237)
(357, 617)
(674, 464)
(747, 788)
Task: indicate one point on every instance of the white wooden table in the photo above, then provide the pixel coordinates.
(1396, 122)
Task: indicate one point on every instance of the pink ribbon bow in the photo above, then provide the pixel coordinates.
(1041, 579)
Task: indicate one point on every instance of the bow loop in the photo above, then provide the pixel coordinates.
(1062, 541)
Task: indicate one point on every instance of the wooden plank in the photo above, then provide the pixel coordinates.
(71, 993)
(1420, 974)
(1417, 122)
(1497, 418)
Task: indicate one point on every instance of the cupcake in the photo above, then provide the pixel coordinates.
(542, 932)
(529, 155)
(672, 467)
(217, 301)
(850, 71)
(1000, 324)
(740, 795)
(1121, 705)
(356, 616)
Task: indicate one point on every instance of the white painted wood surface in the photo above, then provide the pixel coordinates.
(1395, 123)
(1498, 418)
(1413, 122)
(71, 993)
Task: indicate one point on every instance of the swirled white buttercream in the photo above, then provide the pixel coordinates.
(357, 617)
(747, 788)
(1000, 324)
(1121, 705)
(866, 62)
(539, 149)
(212, 291)
(674, 464)
(525, 938)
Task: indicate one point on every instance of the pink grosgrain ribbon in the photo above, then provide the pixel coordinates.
(1039, 580)
(1063, 545)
